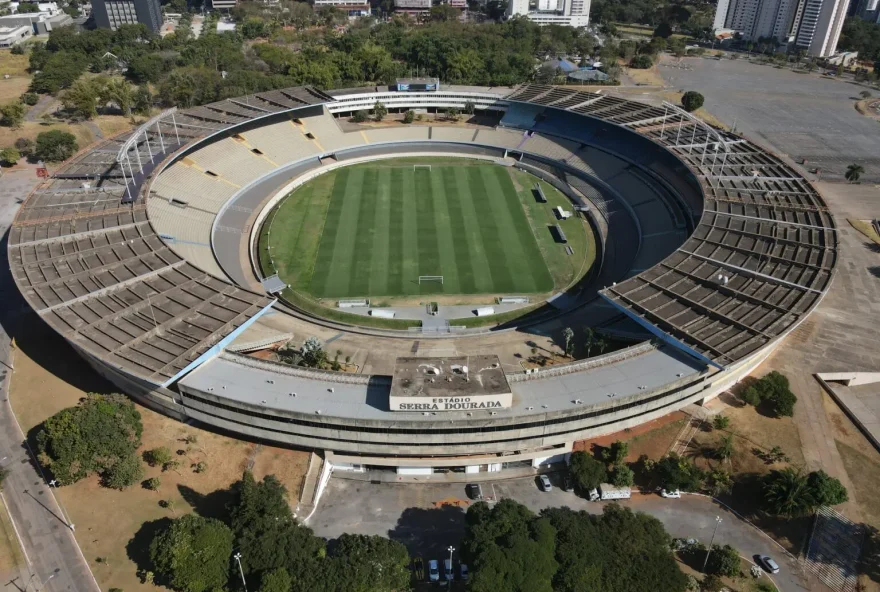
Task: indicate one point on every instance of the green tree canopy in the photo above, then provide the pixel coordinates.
(791, 492)
(616, 453)
(509, 549)
(675, 472)
(586, 472)
(723, 561)
(361, 563)
(773, 390)
(103, 431)
(55, 146)
(193, 554)
(691, 100)
(9, 156)
(12, 114)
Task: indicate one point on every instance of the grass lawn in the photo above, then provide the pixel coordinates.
(10, 551)
(14, 65)
(31, 130)
(12, 88)
(371, 230)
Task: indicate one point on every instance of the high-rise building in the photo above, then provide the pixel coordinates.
(111, 14)
(574, 13)
(812, 25)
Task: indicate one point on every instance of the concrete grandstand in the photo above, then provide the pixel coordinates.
(140, 252)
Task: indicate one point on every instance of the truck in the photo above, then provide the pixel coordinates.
(606, 491)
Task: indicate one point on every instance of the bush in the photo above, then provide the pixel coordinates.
(586, 472)
(157, 456)
(125, 473)
(24, 146)
(30, 98)
(409, 116)
(641, 62)
(55, 146)
(193, 554)
(9, 156)
(691, 101)
(153, 483)
(751, 396)
(4, 472)
(720, 422)
(12, 114)
(773, 390)
(675, 472)
(622, 476)
(359, 116)
(723, 561)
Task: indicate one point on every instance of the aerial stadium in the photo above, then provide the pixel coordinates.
(169, 255)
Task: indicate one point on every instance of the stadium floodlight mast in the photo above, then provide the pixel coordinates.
(237, 558)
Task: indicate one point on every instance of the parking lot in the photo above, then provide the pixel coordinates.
(429, 518)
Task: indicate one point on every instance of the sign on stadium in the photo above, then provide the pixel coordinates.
(464, 383)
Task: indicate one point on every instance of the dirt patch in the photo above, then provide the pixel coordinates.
(652, 438)
(12, 88)
(110, 524)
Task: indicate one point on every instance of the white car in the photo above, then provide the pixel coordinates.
(769, 564)
(433, 570)
(670, 493)
(544, 483)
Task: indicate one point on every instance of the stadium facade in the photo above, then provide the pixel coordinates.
(140, 252)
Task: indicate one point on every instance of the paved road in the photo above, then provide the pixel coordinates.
(411, 514)
(53, 557)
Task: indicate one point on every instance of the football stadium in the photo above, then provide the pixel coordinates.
(439, 252)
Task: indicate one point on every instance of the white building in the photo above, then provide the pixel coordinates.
(574, 13)
(10, 36)
(813, 25)
(353, 8)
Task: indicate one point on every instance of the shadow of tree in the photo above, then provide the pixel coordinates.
(872, 246)
(428, 532)
(138, 547)
(208, 505)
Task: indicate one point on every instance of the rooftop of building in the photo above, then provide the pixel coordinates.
(459, 376)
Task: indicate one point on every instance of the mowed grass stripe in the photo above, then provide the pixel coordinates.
(524, 259)
(394, 275)
(338, 282)
(324, 258)
(363, 234)
(446, 246)
(490, 234)
(470, 232)
(429, 256)
(409, 279)
(379, 254)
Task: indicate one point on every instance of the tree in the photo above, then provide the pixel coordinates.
(276, 580)
(589, 339)
(774, 391)
(361, 562)
(641, 62)
(691, 100)
(146, 68)
(720, 422)
(854, 172)
(586, 472)
(122, 93)
(568, 336)
(193, 554)
(509, 548)
(787, 493)
(826, 490)
(360, 116)
(470, 107)
(93, 437)
(25, 146)
(719, 481)
(675, 472)
(58, 72)
(313, 354)
(4, 472)
(81, 99)
(663, 30)
(143, 101)
(27, 7)
(125, 472)
(157, 457)
(723, 561)
(408, 117)
(12, 114)
(725, 447)
(602, 552)
(9, 156)
(153, 483)
(622, 476)
(616, 453)
(30, 98)
(379, 111)
(55, 146)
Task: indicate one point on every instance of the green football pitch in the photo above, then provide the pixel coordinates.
(371, 230)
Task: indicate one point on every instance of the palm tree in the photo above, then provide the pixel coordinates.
(787, 493)
(854, 172)
(725, 447)
(568, 335)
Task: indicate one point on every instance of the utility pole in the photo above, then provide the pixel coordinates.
(54, 484)
(237, 557)
(712, 542)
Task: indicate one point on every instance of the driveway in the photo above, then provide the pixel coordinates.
(418, 515)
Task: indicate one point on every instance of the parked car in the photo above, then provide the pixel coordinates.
(670, 493)
(463, 570)
(447, 570)
(544, 483)
(433, 570)
(419, 568)
(767, 562)
(474, 491)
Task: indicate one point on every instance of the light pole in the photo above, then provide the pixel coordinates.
(46, 582)
(450, 549)
(712, 542)
(237, 557)
(54, 484)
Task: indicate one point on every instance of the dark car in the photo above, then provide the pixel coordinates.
(474, 491)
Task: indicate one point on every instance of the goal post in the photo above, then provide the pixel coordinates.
(426, 167)
(430, 278)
